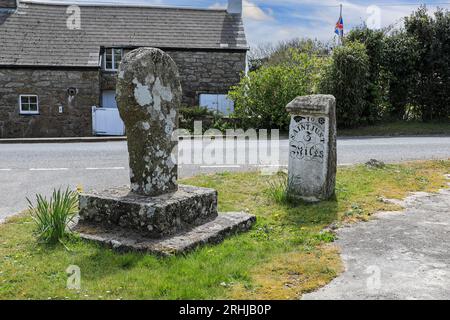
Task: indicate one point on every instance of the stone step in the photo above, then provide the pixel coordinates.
(154, 217)
(124, 240)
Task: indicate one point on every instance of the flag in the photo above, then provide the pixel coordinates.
(340, 27)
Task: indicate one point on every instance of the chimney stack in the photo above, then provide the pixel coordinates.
(235, 7)
(8, 4)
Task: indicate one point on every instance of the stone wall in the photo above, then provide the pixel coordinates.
(208, 72)
(200, 72)
(51, 86)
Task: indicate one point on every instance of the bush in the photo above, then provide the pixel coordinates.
(374, 43)
(281, 53)
(431, 88)
(347, 78)
(191, 114)
(209, 119)
(261, 97)
(53, 217)
(399, 60)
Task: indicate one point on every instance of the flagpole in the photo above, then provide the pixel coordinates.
(341, 34)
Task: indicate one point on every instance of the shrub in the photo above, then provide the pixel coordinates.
(347, 78)
(209, 119)
(281, 53)
(399, 60)
(432, 74)
(52, 217)
(415, 65)
(261, 97)
(374, 43)
(191, 114)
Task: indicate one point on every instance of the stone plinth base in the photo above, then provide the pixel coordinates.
(151, 217)
(124, 240)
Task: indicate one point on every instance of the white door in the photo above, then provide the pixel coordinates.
(109, 99)
(106, 120)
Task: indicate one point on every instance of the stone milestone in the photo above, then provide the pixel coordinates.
(312, 148)
(155, 215)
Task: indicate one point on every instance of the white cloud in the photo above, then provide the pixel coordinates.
(254, 12)
(319, 19)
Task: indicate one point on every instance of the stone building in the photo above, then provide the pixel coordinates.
(58, 61)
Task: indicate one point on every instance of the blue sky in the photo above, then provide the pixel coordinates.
(275, 20)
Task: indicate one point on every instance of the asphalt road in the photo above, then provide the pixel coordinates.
(27, 169)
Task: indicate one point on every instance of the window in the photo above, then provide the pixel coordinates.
(29, 104)
(112, 58)
(217, 102)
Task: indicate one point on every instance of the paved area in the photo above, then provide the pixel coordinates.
(399, 255)
(27, 169)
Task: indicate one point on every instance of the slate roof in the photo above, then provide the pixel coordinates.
(37, 34)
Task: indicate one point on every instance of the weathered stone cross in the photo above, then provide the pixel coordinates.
(149, 96)
(158, 216)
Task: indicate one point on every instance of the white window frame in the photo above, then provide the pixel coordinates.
(113, 57)
(28, 111)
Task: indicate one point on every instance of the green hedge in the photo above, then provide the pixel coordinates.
(403, 74)
(347, 78)
(261, 97)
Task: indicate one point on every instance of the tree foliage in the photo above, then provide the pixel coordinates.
(262, 96)
(398, 73)
(373, 42)
(347, 78)
(268, 54)
(376, 74)
(410, 68)
(431, 88)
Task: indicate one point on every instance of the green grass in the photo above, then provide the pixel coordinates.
(400, 128)
(283, 256)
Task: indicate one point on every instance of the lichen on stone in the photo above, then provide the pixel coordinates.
(149, 96)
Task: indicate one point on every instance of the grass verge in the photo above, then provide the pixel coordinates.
(399, 128)
(285, 255)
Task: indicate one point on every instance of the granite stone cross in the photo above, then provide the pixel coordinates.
(148, 97)
(312, 148)
(158, 216)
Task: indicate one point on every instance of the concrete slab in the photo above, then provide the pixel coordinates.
(397, 256)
